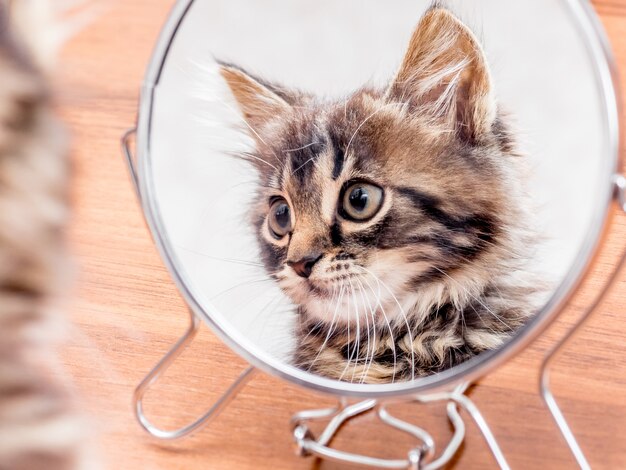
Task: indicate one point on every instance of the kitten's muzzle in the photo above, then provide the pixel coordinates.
(304, 266)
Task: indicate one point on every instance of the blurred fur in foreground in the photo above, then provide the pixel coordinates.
(38, 427)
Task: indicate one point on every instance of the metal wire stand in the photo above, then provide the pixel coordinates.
(421, 457)
(167, 360)
(546, 367)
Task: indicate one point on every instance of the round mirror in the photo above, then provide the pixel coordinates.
(370, 198)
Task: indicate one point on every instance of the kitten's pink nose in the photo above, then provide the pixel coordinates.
(304, 267)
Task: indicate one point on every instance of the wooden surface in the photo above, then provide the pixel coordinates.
(125, 313)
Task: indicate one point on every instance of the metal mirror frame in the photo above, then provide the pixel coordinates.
(607, 77)
(589, 26)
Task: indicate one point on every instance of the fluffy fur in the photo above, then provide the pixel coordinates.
(38, 426)
(439, 273)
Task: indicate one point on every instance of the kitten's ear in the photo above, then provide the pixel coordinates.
(259, 102)
(445, 73)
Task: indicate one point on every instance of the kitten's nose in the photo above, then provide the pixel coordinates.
(304, 267)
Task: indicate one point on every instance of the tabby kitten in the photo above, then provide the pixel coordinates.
(39, 428)
(396, 219)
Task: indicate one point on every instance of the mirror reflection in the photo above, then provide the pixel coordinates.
(376, 194)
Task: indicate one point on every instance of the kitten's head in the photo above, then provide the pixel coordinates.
(390, 199)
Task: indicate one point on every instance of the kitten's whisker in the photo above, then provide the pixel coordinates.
(248, 155)
(238, 115)
(513, 254)
(463, 324)
(240, 285)
(481, 317)
(243, 183)
(228, 260)
(368, 366)
(367, 349)
(357, 336)
(310, 330)
(301, 148)
(388, 323)
(348, 327)
(406, 320)
(494, 285)
(332, 323)
(496, 316)
(302, 166)
(274, 301)
(357, 348)
(363, 123)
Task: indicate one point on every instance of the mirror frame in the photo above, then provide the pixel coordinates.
(585, 19)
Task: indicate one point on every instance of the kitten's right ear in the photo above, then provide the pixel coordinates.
(445, 74)
(259, 103)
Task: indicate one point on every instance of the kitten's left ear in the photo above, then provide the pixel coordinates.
(260, 102)
(445, 74)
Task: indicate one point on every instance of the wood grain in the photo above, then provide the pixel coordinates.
(125, 313)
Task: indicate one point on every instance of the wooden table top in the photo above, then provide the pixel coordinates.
(125, 313)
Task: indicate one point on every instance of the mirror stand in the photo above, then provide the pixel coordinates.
(167, 360)
(422, 456)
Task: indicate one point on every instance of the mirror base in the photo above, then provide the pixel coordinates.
(422, 456)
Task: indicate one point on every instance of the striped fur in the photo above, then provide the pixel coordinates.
(440, 272)
(39, 429)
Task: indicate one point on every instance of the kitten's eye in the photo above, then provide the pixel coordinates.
(279, 219)
(361, 201)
